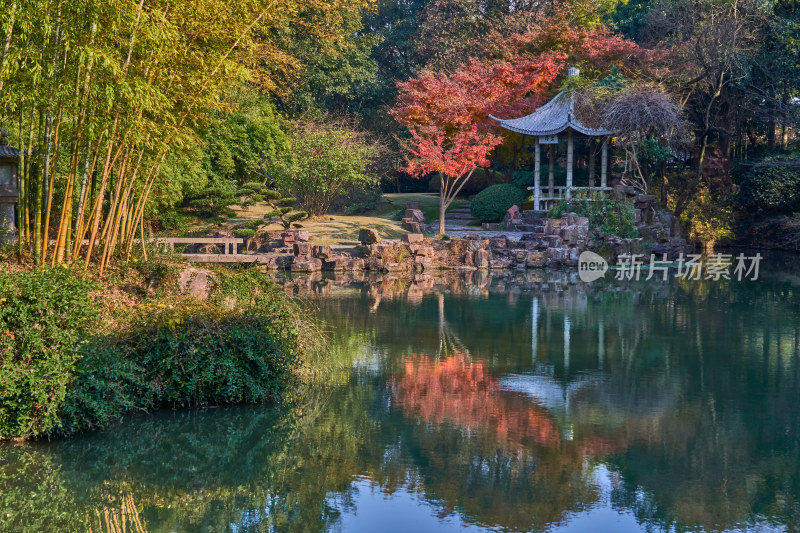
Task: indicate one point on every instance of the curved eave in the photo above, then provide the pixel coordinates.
(517, 126)
(513, 125)
(552, 118)
(8, 153)
(592, 132)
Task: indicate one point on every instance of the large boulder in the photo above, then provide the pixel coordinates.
(197, 283)
(536, 259)
(412, 237)
(481, 258)
(307, 265)
(410, 224)
(368, 236)
(341, 263)
(322, 252)
(302, 249)
(416, 215)
(299, 235)
(277, 261)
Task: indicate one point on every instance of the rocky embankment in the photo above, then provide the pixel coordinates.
(543, 242)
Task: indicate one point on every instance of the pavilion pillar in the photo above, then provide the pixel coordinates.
(535, 329)
(551, 171)
(604, 163)
(601, 345)
(570, 161)
(566, 343)
(537, 176)
(592, 160)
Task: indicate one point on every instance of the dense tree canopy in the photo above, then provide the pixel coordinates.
(126, 108)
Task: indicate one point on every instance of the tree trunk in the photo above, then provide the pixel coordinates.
(771, 135)
(442, 206)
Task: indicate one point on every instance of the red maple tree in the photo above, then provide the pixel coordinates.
(447, 114)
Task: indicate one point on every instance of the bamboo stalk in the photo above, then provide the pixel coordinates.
(37, 222)
(141, 237)
(56, 142)
(82, 225)
(66, 208)
(11, 18)
(139, 209)
(99, 200)
(118, 220)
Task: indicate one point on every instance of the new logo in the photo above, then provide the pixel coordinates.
(591, 267)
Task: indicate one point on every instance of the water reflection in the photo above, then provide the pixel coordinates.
(521, 401)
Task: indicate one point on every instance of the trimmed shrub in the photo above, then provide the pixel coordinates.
(46, 317)
(171, 222)
(771, 189)
(491, 204)
(244, 233)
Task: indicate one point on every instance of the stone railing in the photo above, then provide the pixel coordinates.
(557, 194)
(229, 244)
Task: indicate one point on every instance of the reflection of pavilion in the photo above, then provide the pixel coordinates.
(564, 304)
(546, 390)
(579, 359)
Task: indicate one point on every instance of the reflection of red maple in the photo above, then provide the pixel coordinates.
(460, 391)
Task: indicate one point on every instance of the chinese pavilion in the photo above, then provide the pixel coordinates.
(546, 124)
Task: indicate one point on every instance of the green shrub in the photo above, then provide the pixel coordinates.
(523, 178)
(559, 209)
(46, 316)
(771, 189)
(357, 201)
(491, 204)
(172, 222)
(611, 216)
(244, 233)
(58, 375)
(326, 160)
(194, 356)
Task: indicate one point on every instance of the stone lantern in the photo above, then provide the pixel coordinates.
(9, 193)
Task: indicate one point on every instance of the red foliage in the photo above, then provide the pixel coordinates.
(460, 391)
(596, 47)
(448, 115)
(453, 156)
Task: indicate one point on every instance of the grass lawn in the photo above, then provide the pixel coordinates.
(428, 203)
(340, 229)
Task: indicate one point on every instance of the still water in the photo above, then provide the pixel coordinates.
(471, 402)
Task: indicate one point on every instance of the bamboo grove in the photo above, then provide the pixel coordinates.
(97, 93)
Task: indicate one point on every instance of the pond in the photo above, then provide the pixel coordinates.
(472, 402)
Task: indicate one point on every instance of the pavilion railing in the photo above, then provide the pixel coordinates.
(550, 196)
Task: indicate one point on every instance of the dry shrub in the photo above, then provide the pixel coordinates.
(635, 113)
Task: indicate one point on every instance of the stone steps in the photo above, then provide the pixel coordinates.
(459, 213)
(530, 228)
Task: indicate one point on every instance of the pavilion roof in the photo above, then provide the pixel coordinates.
(554, 117)
(7, 152)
